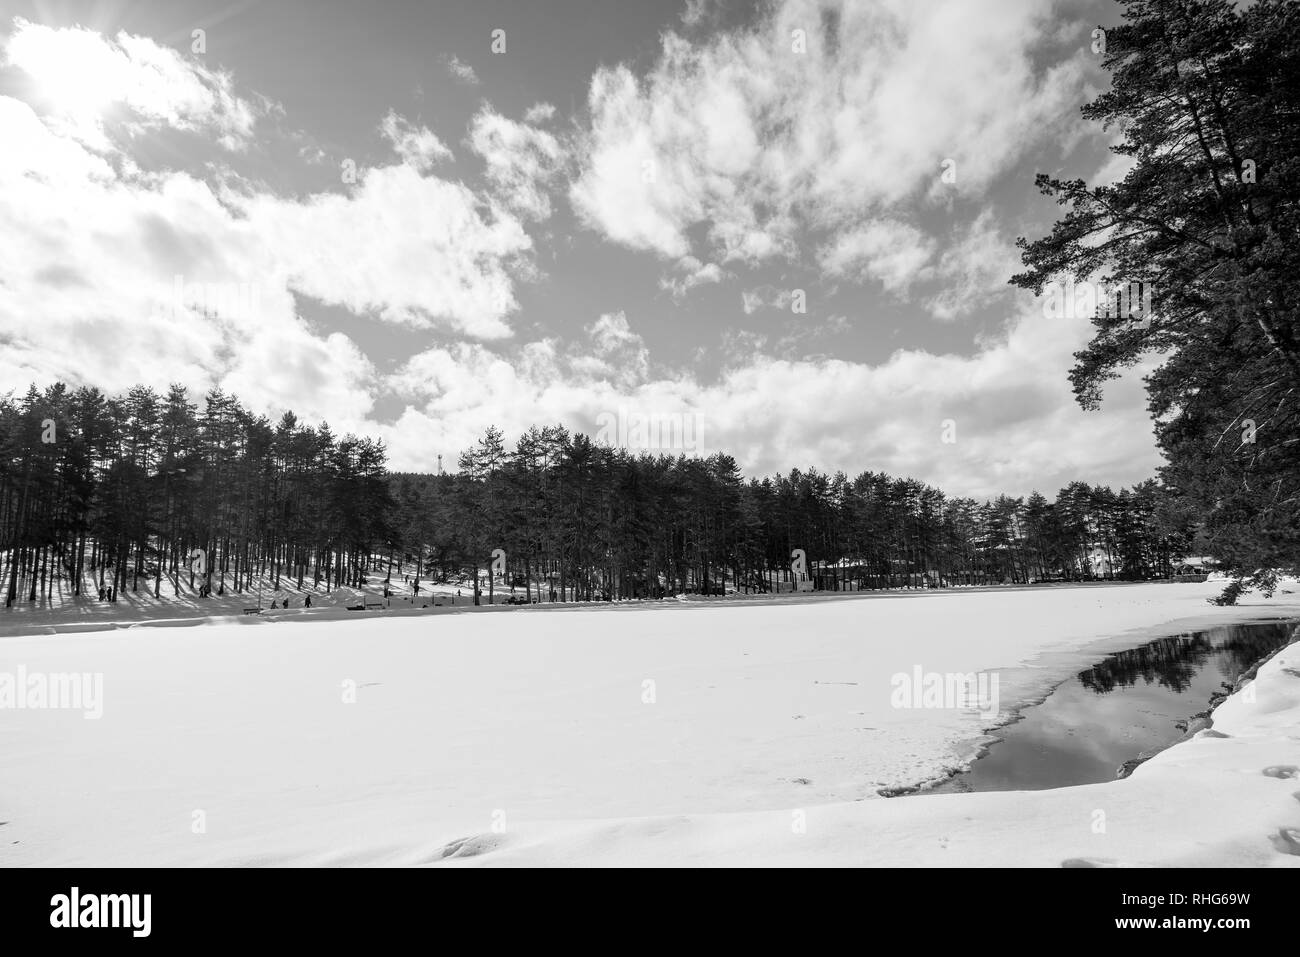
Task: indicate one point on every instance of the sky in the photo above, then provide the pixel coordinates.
(779, 230)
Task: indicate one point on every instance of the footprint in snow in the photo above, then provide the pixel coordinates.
(1287, 840)
(469, 846)
(1282, 771)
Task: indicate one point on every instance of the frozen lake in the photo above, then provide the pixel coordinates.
(362, 739)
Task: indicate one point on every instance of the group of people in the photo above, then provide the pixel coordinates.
(306, 602)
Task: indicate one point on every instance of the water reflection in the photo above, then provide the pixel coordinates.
(1131, 703)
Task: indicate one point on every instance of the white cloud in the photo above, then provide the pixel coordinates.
(1017, 426)
(628, 190)
(617, 353)
(968, 274)
(522, 161)
(752, 300)
(895, 253)
(612, 334)
(77, 74)
(462, 72)
(692, 273)
(87, 296)
(539, 113)
(92, 249)
(973, 271)
(696, 12)
(409, 248)
(738, 133)
(416, 145)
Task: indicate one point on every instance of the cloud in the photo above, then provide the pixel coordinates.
(970, 273)
(90, 295)
(77, 75)
(765, 296)
(617, 353)
(115, 277)
(522, 162)
(800, 339)
(895, 253)
(416, 145)
(729, 153)
(973, 271)
(741, 139)
(697, 12)
(1017, 426)
(1016, 423)
(462, 72)
(539, 113)
(692, 273)
(408, 248)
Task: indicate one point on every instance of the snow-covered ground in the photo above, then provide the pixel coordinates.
(730, 732)
(180, 600)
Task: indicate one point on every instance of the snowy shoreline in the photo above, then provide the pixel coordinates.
(1197, 722)
(85, 614)
(1250, 756)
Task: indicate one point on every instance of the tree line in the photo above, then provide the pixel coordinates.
(585, 520)
(126, 491)
(150, 492)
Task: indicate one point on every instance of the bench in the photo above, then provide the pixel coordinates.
(252, 611)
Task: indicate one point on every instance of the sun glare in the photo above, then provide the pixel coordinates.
(70, 70)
